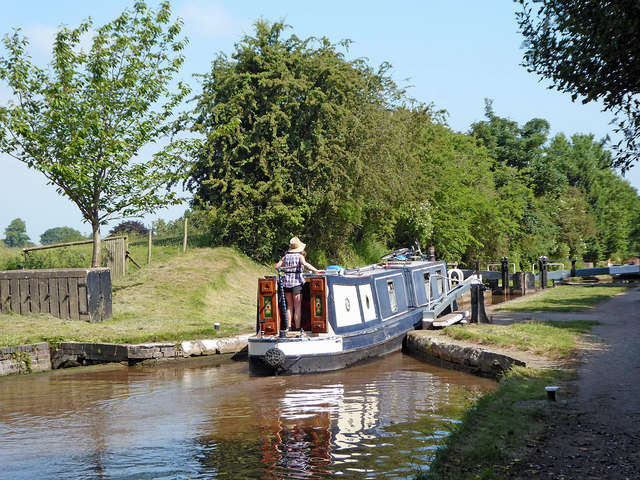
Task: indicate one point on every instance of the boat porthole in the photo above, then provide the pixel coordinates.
(347, 304)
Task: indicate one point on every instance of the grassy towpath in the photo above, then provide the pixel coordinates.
(515, 432)
(177, 299)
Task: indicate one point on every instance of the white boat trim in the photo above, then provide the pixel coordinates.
(296, 346)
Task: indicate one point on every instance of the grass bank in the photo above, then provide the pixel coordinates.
(494, 433)
(178, 298)
(556, 340)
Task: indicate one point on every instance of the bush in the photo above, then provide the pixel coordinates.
(129, 227)
(64, 257)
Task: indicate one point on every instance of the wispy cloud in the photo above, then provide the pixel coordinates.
(211, 19)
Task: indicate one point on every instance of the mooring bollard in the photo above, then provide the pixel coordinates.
(542, 262)
(505, 274)
(216, 326)
(551, 393)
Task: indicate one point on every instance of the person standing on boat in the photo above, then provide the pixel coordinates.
(293, 264)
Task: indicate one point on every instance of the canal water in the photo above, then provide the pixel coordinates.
(201, 421)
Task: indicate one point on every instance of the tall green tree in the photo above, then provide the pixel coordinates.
(15, 235)
(589, 49)
(83, 121)
(456, 182)
(509, 143)
(296, 138)
(61, 235)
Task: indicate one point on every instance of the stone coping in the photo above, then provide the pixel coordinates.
(448, 353)
(43, 356)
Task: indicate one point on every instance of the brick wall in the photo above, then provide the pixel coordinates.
(25, 359)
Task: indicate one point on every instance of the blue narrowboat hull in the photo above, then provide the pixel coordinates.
(359, 348)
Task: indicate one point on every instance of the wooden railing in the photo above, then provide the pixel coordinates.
(114, 253)
(77, 293)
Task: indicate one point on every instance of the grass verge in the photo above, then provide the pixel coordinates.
(556, 340)
(177, 299)
(495, 431)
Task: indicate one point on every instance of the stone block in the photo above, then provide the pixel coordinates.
(191, 349)
(209, 347)
(232, 345)
(473, 358)
(139, 352)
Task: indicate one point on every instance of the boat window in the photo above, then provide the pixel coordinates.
(368, 307)
(392, 296)
(427, 285)
(441, 283)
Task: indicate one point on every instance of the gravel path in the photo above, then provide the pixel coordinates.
(597, 434)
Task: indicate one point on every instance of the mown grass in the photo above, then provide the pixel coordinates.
(178, 298)
(565, 298)
(552, 339)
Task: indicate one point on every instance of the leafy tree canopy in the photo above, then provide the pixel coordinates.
(298, 140)
(61, 235)
(589, 49)
(83, 120)
(508, 143)
(294, 135)
(16, 234)
(129, 227)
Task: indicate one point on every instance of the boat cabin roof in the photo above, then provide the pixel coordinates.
(376, 269)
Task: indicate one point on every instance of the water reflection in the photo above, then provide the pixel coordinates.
(379, 420)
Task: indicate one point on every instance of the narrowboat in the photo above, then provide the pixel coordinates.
(350, 316)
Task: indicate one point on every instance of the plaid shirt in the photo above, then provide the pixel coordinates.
(292, 269)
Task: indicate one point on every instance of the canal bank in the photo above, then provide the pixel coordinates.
(588, 432)
(428, 345)
(42, 357)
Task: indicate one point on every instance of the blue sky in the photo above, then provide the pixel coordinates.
(452, 54)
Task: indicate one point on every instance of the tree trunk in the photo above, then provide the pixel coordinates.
(95, 258)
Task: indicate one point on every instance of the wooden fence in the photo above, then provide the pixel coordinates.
(114, 253)
(77, 293)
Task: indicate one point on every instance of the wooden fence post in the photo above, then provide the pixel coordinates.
(184, 240)
(149, 246)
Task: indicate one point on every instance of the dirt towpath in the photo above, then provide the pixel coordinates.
(596, 434)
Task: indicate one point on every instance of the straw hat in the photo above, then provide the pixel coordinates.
(296, 246)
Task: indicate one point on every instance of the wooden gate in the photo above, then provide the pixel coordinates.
(114, 256)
